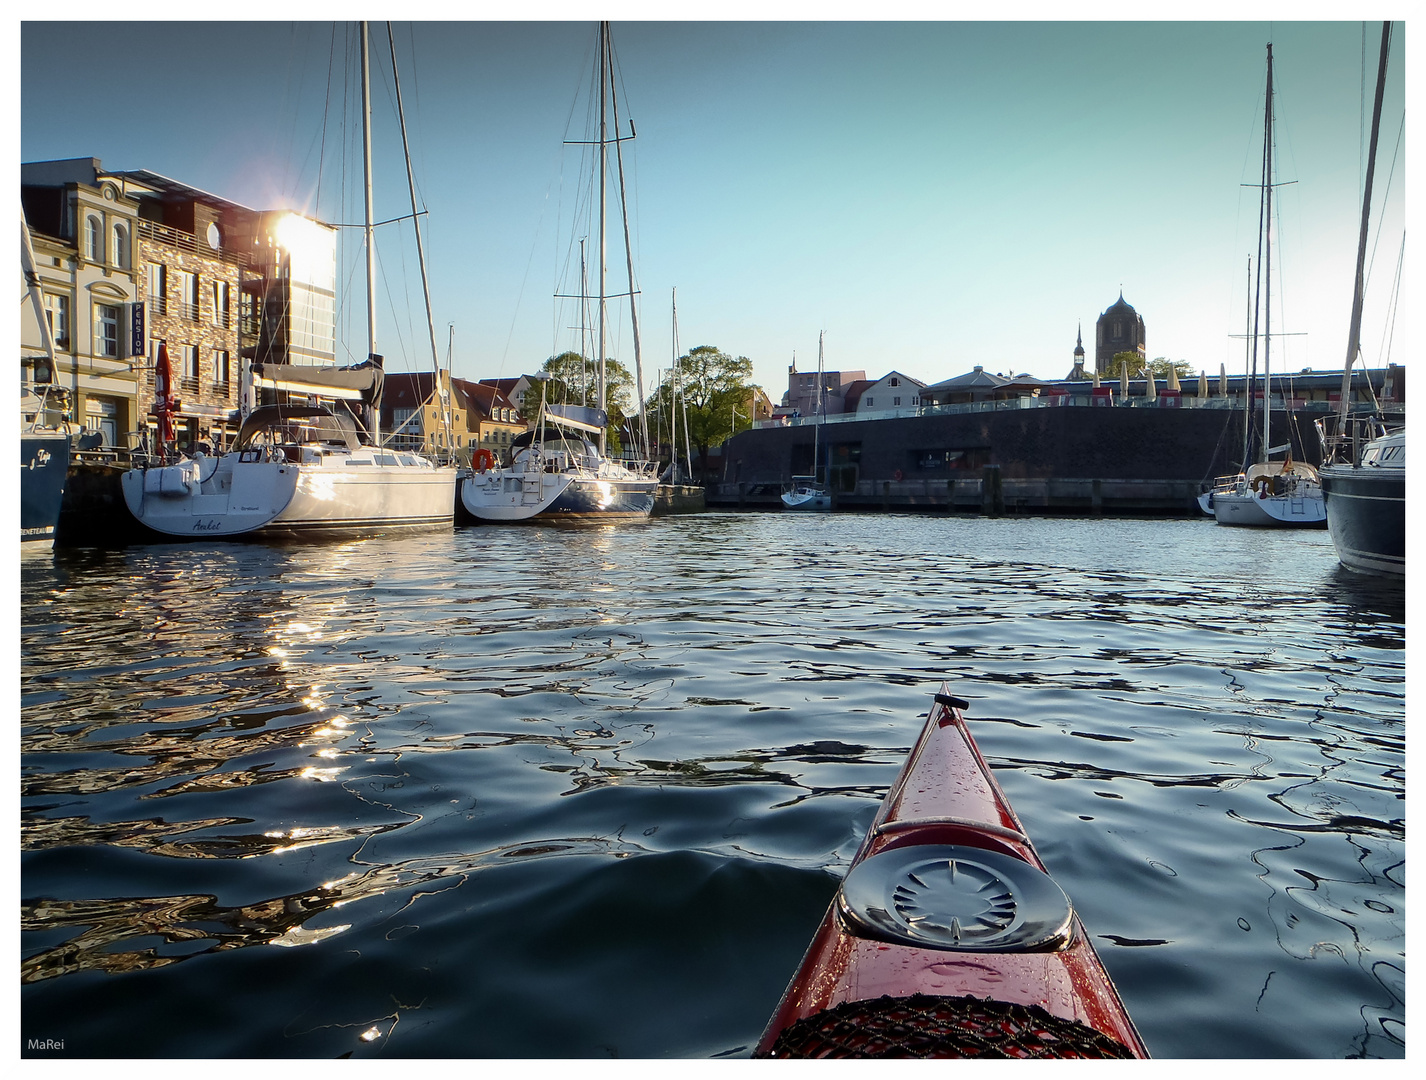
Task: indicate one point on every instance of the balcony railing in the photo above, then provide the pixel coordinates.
(222, 320)
(188, 385)
(158, 305)
(184, 310)
(185, 241)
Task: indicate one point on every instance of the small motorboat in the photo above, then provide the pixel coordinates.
(948, 938)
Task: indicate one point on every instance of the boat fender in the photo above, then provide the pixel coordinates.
(174, 481)
(204, 467)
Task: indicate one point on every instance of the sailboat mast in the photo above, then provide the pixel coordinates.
(817, 427)
(583, 326)
(1248, 345)
(629, 257)
(1267, 260)
(373, 413)
(367, 230)
(1355, 332)
(603, 170)
(442, 394)
(680, 402)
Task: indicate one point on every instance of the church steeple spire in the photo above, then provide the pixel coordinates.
(1077, 372)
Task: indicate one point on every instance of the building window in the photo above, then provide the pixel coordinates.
(106, 330)
(895, 402)
(121, 246)
(870, 402)
(93, 239)
(188, 369)
(220, 368)
(157, 293)
(221, 311)
(57, 313)
(895, 382)
(187, 294)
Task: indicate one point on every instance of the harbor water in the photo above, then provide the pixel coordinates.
(586, 792)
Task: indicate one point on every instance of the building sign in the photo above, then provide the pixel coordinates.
(136, 330)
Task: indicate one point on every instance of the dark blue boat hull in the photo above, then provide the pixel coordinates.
(1366, 517)
(44, 465)
(603, 500)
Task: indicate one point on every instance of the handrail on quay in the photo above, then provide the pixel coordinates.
(1078, 401)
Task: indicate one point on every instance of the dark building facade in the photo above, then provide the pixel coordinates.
(1120, 329)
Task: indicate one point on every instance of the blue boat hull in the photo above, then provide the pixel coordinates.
(1366, 516)
(44, 466)
(602, 500)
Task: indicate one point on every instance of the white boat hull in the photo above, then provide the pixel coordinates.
(275, 498)
(507, 496)
(806, 500)
(512, 495)
(1272, 511)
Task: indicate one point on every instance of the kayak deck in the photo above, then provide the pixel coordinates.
(948, 938)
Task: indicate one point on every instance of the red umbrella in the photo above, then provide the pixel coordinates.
(164, 403)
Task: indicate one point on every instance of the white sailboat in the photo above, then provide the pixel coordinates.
(559, 469)
(806, 492)
(1269, 493)
(298, 469)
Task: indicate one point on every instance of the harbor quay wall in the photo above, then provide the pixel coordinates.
(93, 512)
(1110, 460)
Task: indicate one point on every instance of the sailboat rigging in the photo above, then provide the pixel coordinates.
(303, 469)
(559, 468)
(676, 493)
(1267, 493)
(1364, 466)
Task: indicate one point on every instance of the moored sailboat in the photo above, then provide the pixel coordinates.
(807, 492)
(676, 492)
(1277, 494)
(297, 468)
(559, 469)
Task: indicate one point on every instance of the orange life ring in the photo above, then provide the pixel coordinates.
(896, 475)
(484, 460)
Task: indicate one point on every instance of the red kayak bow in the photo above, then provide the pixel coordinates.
(947, 938)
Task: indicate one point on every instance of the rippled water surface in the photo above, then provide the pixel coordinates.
(550, 792)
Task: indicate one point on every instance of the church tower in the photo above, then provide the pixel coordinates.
(1120, 329)
(1077, 373)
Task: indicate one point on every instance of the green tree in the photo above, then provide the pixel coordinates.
(1116, 365)
(1161, 365)
(716, 388)
(574, 380)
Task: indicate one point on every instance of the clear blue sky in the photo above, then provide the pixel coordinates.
(932, 195)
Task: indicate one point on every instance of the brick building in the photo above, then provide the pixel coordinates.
(129, 260)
